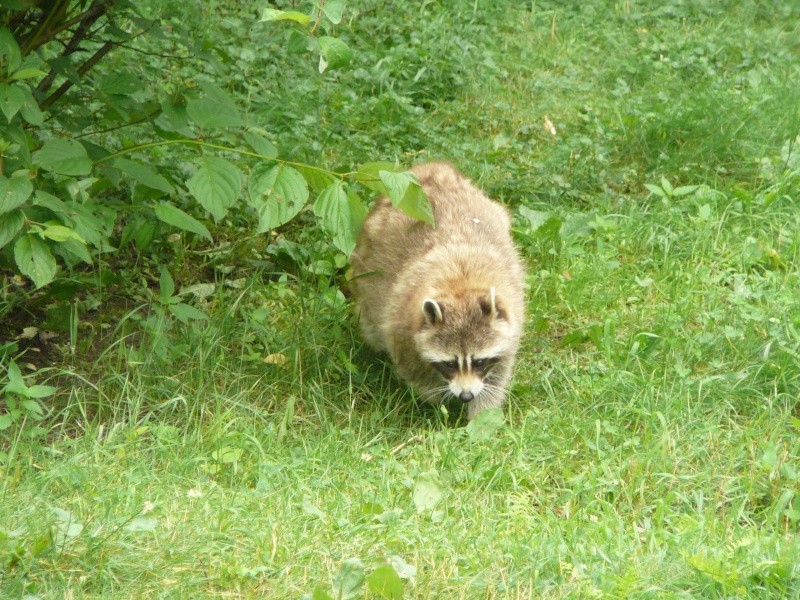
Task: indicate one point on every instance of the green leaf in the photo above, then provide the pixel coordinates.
(172, 215)
(367, 175)
(120, 83)
(415, 204)
(227, 455)
(35, 260)
(319, 592)
(60, 233)
(166, 287)
(684, 190)
(654, 189)
(29, 73)
(339, 214)
(14, 192)
(260, 144)
(385, 582)
(278, 193)
(30, 110)
(273, 14)
(666, 186)
(334, 53)
(32, 408)
(10, 225)
(144, 175)
(317, 179)
(406, 194)
(185, 312)
(428, 491)
(9, 50)
(16, 383)
(41, 391)
(334, 9)
(485, 424)
(76, 248)
(12, 97)
(216, 185)
(63, 156)
(6, 421)
(215, 109)
(349, 581)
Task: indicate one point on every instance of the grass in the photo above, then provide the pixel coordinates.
(651, 446)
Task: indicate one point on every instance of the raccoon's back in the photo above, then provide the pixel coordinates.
(397, 257)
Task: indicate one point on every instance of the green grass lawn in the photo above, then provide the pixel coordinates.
(650, 447)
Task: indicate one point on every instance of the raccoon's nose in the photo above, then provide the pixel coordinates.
(466, 396)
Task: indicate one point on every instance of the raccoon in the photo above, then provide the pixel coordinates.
(445, 302)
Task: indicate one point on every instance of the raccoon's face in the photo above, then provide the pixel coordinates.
(465, 338)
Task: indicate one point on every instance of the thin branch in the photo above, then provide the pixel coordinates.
(146, 117)
(84, 21)
(131, 48)
(85, 68)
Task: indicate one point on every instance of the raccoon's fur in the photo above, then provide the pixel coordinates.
(445, 302)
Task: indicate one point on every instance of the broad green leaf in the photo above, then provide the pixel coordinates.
(684, 190)
(53, 203)
(172, 215)
(6, 421)
(120, 83)
(334, 9)
(485, 424)
(260, 144)
(76, 249)
(35, 260)
(415, 204)
(367, 175)
(654, 189)
(32, 408)
(406, 194)
(334, 53)
(14, 192)
(319, 592)
(227, 455)
(428, 491)
(86, 224)
(12, 97)
(144, 175)
(41, 391)
(166, 287)
(30, 110)
(348, 583)
(397, 184)
(278, 193)
(141, 524)
(215, 109)
(666, 186)
(60, 233)
(10, 225)
(273, 14)
(216, 185)
(9, 51)
(27, 74)
(185, 312)
(317, 179)
(63, 156)
(385, 582)
(16, 383)
(339, 215)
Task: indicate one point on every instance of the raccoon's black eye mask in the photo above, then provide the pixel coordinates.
(448, 368)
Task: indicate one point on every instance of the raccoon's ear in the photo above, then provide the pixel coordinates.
(432, 312)
(490, 306)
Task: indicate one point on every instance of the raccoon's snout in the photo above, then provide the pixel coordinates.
(466, 396)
